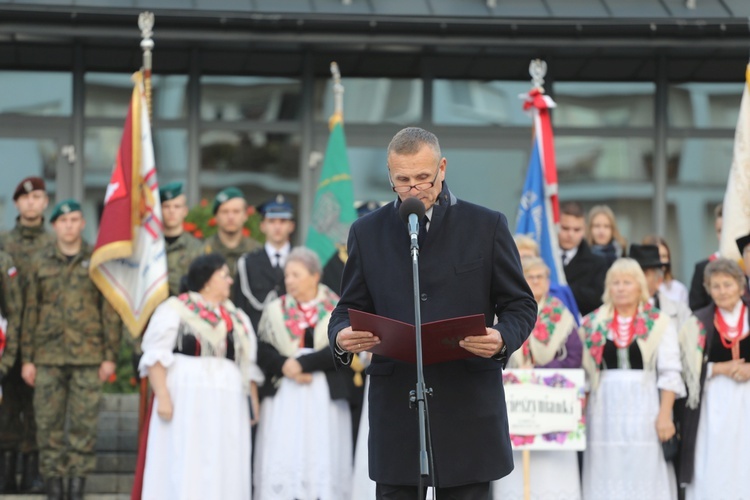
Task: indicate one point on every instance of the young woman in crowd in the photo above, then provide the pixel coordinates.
(602, 234)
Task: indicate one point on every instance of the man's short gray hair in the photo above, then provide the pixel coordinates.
(307, 258)
(410, 140)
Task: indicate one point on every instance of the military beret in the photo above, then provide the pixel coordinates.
(225, 195)
(170, 191)
(277, 208)
(65, 207)
(367, 207)
(28, 185)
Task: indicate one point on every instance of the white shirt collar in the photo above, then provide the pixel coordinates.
(283, 252)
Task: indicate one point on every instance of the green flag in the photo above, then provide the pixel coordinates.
(333, 209)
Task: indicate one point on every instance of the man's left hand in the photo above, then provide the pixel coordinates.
(484, 346)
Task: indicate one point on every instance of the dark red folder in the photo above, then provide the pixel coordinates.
(439, 338)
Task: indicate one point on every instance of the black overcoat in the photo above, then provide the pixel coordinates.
(468, 265)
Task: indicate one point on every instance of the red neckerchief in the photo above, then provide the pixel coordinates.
(725, 331)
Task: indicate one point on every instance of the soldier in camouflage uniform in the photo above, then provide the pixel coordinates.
(230, 210)
(10, 331)
(17, 423)
(70, 341)
(182, 247)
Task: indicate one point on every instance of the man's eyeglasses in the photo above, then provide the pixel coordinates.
(420, 186)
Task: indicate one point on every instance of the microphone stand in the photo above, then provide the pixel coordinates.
(417, 396)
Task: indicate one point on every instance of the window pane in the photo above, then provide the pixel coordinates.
(22, 158)
(372, 100)
(233, 98)
(108, 95)
(594, 104)
(261, 164)
(702, 161)
(596, 158)
(471, 102)
(704, 105)
(36, 93)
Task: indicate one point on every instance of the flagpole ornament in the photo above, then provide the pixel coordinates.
(146, 25)
(338, 95)
(537, 71)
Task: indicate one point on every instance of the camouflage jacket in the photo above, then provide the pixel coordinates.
(10, 307)
(67, 320)
(180, 254)
(23, 243)
(232, 255)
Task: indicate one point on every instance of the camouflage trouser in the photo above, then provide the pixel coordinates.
(77, 391)
(17, 424)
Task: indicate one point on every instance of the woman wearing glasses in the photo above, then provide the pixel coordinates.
(553, 343)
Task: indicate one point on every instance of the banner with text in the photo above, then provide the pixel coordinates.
(545, 409)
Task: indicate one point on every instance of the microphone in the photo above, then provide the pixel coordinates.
(411, 212)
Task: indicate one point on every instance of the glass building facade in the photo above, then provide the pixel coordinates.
(643, 124)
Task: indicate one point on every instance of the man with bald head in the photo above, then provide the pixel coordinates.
(468, 264)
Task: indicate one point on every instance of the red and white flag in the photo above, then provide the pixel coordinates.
(129, 263)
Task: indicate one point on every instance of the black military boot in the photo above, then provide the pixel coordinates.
(31, 480)
(54, 488)
(8, 472)
(76, 486)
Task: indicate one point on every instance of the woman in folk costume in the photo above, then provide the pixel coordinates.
(304, 440)
(716, 348)
(554, 343)
(199, 353)
(632, 360)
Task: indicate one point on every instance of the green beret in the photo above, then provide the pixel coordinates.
(65, 207)
(226, 195)
(170, 191)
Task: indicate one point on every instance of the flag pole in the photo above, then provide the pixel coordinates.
(338, 96)
(146, 25)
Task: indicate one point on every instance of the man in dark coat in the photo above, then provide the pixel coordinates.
(468, 265)
(698, 297)
(584, 271)
(260, 273)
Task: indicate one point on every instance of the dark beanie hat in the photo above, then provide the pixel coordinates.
(201, 270)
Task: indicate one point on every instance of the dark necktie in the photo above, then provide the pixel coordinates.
(278, 270)
(422, 230)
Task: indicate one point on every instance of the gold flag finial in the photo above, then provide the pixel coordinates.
(338, 97)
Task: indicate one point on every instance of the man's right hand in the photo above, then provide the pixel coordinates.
(28, 373)
(356, 341)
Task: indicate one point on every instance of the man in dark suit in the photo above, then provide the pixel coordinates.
(698, 297)
(584, 271)
(260, 273)
(468, 265)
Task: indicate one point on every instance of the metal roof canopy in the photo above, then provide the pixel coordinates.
(616, 45)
